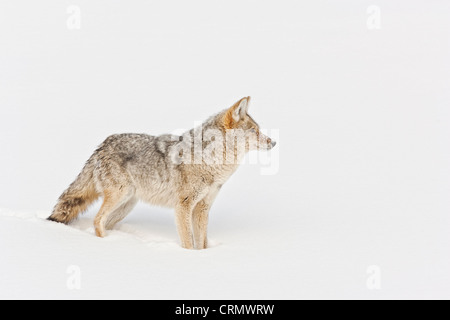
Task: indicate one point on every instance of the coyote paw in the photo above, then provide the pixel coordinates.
(188, 246)
(100, 233)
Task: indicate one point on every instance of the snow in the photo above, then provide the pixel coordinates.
(275, 258)
(362, 117)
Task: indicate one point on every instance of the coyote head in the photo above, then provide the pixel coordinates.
(237, 118)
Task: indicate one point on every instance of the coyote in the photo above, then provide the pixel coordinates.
(182, 172)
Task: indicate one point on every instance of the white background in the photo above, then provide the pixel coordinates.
(363, 116)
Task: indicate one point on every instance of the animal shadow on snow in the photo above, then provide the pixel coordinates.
(150, 225)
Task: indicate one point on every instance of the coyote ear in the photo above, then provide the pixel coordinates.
(236, 113)
(240, 108)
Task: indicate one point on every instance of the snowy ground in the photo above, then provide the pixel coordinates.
(285, 255)
(358, 202)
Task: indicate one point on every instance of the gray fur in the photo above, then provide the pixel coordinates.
(130, 167)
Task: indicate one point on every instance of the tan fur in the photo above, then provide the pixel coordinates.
(228, 121)
(77, 198)
(131, 167)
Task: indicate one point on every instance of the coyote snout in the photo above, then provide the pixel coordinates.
(266, 143)
(165, 170)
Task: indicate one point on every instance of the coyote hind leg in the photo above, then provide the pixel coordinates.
(120, 213)
(111, 202)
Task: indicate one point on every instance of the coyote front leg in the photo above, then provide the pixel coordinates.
(200, 224)
(183, 217)
(200, 218)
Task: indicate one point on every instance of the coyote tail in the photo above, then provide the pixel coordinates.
(77, 198)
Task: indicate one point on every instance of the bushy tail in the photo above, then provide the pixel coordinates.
(77, 198)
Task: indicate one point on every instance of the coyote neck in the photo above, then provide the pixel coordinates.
(212, 144)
